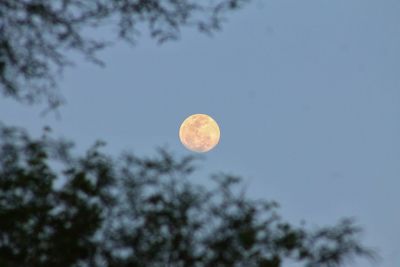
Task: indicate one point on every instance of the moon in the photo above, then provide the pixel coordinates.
(199, 133)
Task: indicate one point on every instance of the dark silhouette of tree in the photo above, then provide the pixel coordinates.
(35, 35)
(61, 209)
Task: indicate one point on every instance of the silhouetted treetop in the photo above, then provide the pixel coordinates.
(61, 209)
(36, 34)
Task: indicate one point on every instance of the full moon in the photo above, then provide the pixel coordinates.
(199, 133)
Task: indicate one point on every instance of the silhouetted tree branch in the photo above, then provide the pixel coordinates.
(35, 35)
(62, 209)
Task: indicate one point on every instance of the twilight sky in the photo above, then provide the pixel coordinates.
(306, 93)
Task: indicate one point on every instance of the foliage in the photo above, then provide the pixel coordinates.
(35, 35)
(60, 209)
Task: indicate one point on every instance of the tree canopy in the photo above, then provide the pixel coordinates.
(58, 208)
(36, 36)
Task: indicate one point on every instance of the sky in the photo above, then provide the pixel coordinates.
(306, 93)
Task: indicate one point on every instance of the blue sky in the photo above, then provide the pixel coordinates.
(307, 95)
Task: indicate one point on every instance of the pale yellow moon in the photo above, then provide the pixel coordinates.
(199, 133)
